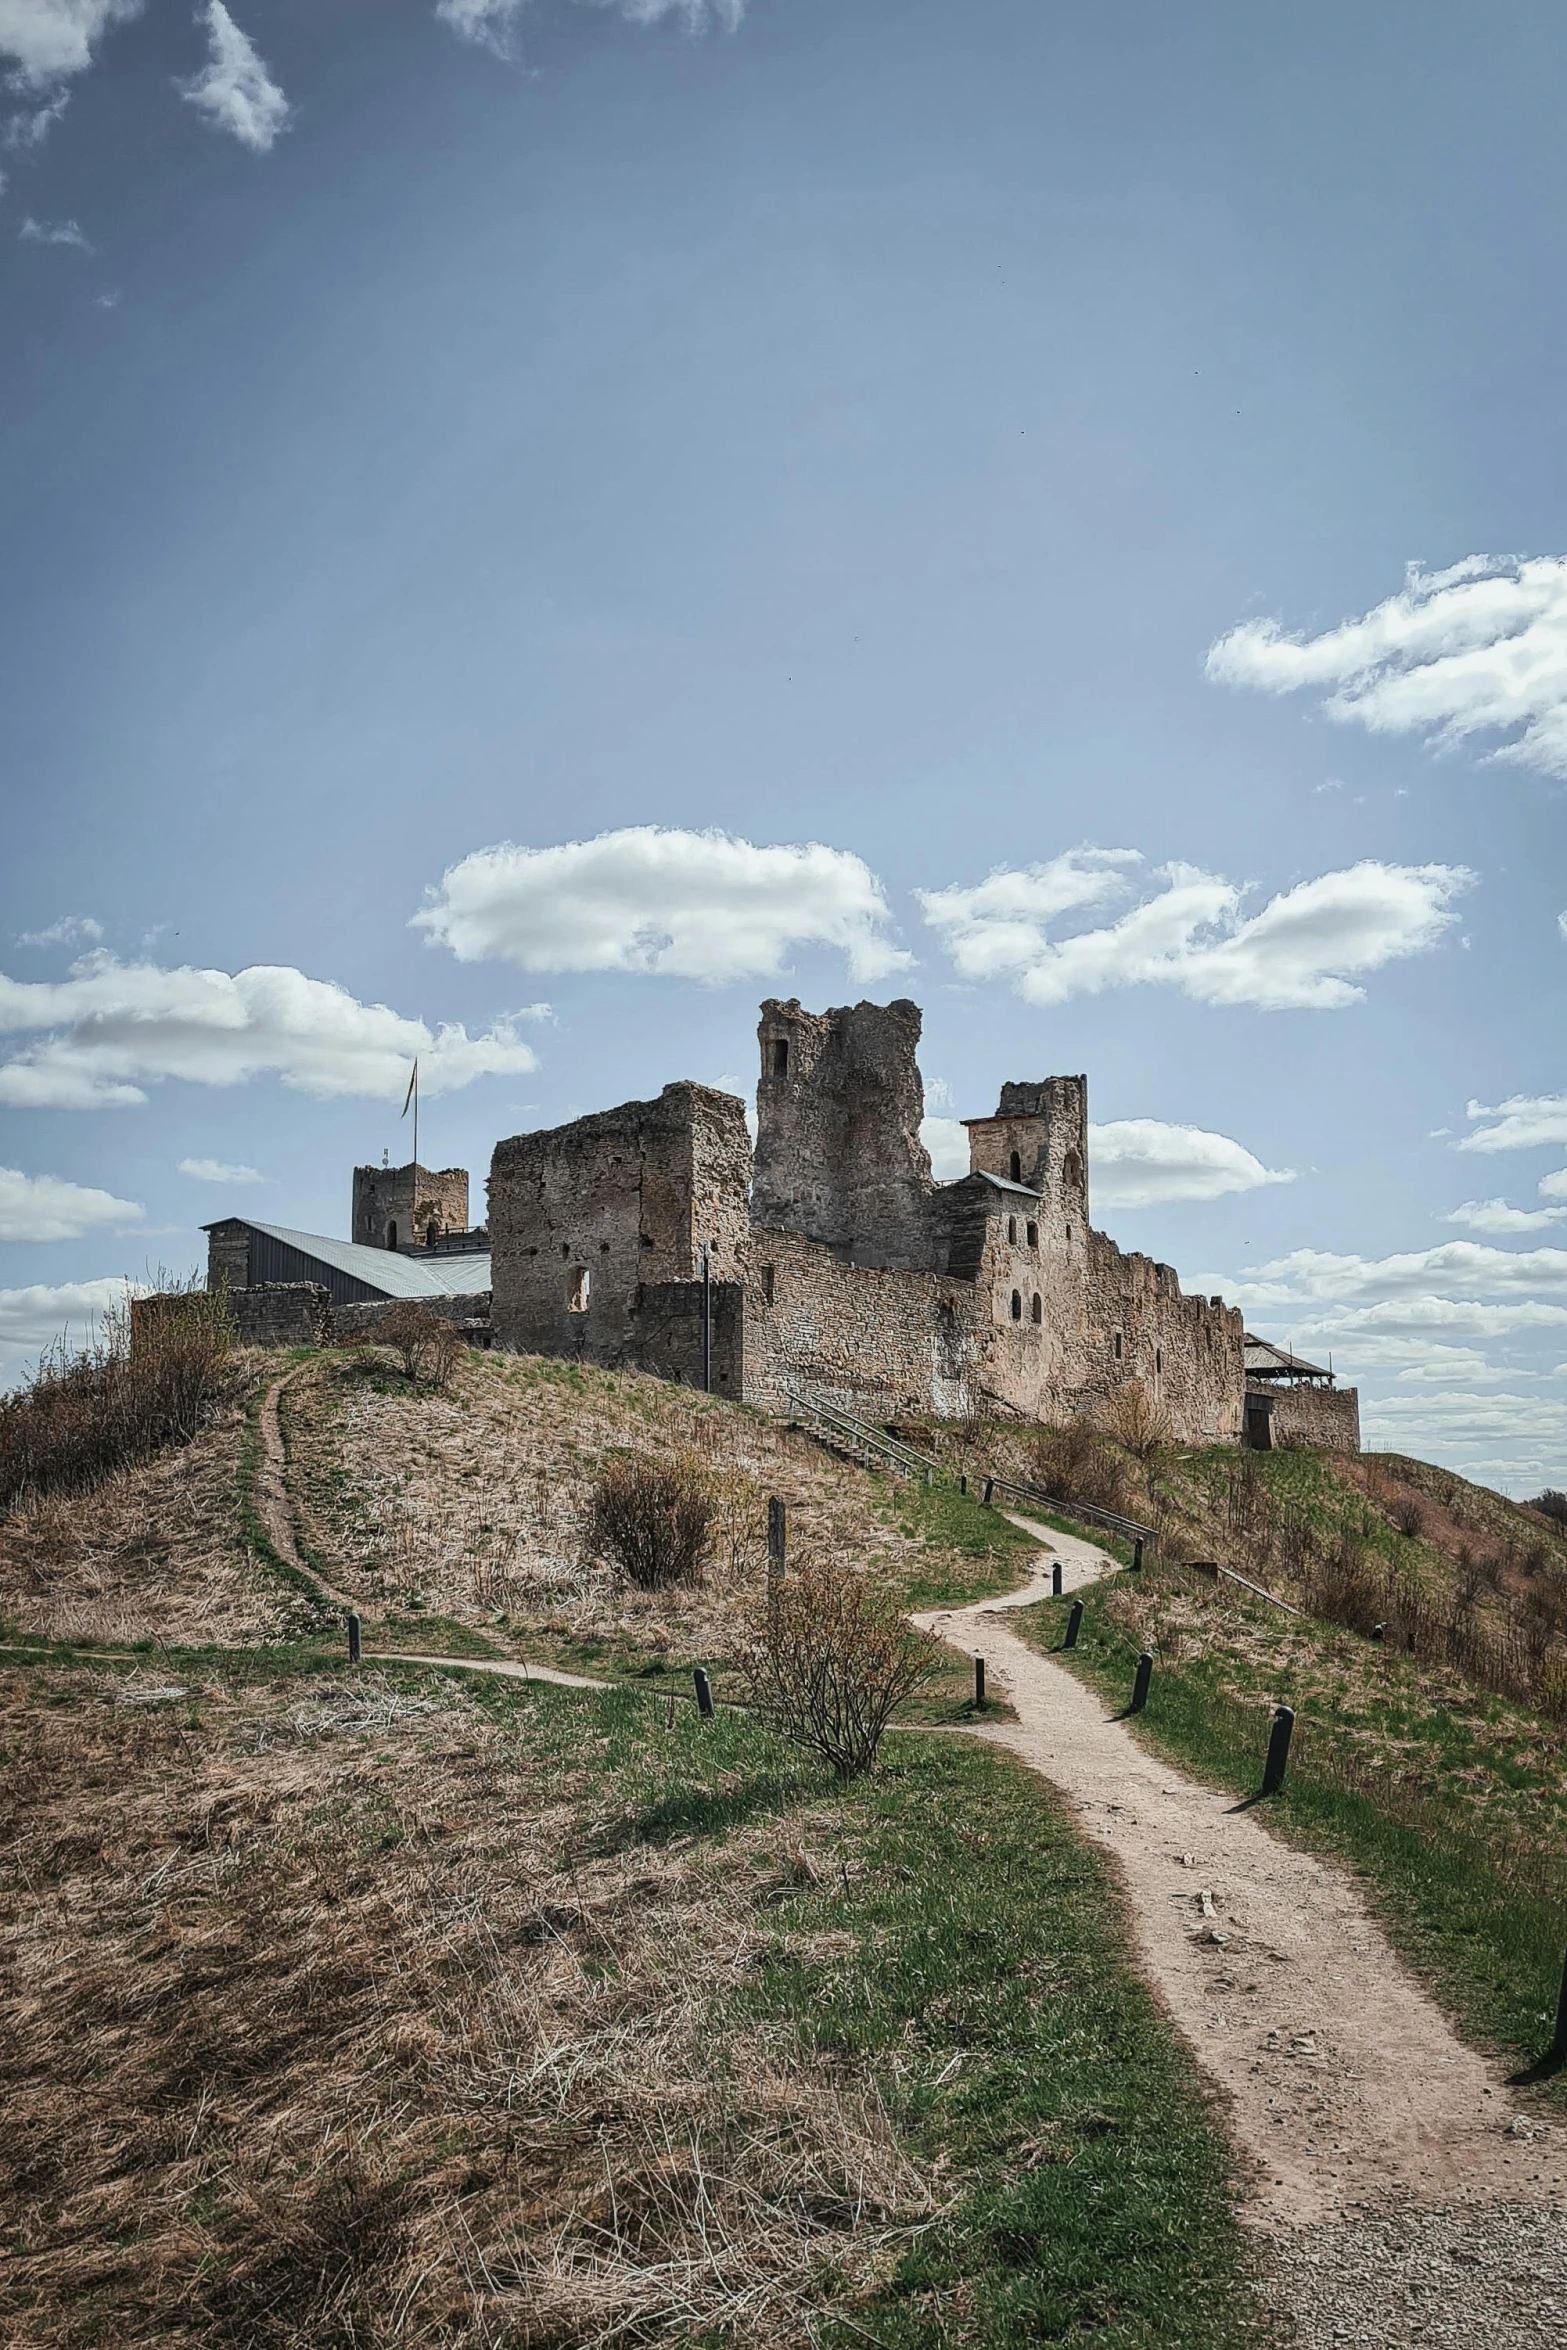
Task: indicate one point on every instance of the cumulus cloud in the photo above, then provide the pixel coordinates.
(1480, 648)
(1298, 952)
(52, 232)
(70, 930)
(234, 90)
(46, 40)
(44, 1312)
(111, 1028)
(1319, 1275)
(220, 1171)
(683, 905)
(946, 1139)
(47, 1207)
(1142, 1163)
(1524, 1122)
(1494, 1215)
(492, 24)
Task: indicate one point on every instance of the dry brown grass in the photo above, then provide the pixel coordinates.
(478, 1504)
(155, 1552)
(337, 2015)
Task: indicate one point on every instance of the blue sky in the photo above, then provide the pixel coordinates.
(456, 461)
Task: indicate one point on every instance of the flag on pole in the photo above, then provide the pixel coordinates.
(413, 1087)
(412, 1095)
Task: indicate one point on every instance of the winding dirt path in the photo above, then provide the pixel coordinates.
(1344, 2079)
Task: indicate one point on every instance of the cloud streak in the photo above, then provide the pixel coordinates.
(47, 40)
(676, 905)
(219, 1171)
(234, 90)
(52, 232)
(492, 24)
(1477, 649)
(1301, 951)
(112, 1028)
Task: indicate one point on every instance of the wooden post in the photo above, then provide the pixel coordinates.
(1137, 1552)
(1074, 1624)
(777, 1555)
(979, 1680)
(704, 1693)
(1278, 1749)
(963, 1484)
(707, 1323)
(1559, 2042)
(1055, 1580)
(353, 1636)
(1379, 1631)
(990, 1487)
(1140, 1685)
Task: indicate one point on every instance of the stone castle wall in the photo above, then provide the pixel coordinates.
(1305, 1414)
(1188, 1353)
(838, 1152)
(409, 1199)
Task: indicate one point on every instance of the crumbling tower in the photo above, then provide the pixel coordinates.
(401, 1207)
(838, 1152)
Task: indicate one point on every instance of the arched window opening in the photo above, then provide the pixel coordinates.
(1072, 1171)
(1015, 1166)
(577, 1290)
(1017, 1305)
(1012, 1231)
(391, 1235)
(1036, 1312)
(1033, 1238)
(780, 1056)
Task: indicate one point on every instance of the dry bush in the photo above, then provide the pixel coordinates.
(426, 1345)
(653, 1518)
(1132, 1416)
(1551, 1504)
(156, 1373)
(1079, 1464)
(835, 1657)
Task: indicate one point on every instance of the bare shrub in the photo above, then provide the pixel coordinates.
(653, 1518)
(154, 1374)
(1135, 1418)
(426, 1345)
(835, 1657)
(1410, 1519)
(1079, 1464)
(1551, 1504)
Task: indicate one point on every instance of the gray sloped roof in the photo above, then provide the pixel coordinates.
(1267, 1361)
(383, 1268)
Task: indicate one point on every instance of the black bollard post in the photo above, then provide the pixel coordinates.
(979, 1680)
(704, 1693)
(777, 1548)
(1137, 1552)
(963, 1484)
(1074, 1624)
(1379, 1631)
(1559, 2043)
(1055, 1580)
(1278, 1749)
(990, 1487)
(353, 1637)
(1140, 1685)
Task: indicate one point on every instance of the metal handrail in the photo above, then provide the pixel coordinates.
(1086, 1510)
(898, 1456)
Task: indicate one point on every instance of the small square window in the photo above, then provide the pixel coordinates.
(1033, 1236)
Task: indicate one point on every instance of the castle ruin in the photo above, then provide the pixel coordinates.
(828, 1259)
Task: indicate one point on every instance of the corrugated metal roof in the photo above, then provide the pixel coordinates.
(384, 1269)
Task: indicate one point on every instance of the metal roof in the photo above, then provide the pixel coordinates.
(383, 1269)
(1001, 1182)
(1266, 1361)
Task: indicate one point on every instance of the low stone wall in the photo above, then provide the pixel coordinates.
(1328, 1417)
(470, 1310)
(281, 1313)
(668, 1320)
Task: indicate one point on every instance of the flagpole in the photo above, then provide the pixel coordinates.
(416, 1134)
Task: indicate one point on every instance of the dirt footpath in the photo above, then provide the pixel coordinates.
(1345, 2080)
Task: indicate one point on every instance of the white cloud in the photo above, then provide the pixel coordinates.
(1480, 648)
(1554, 1185)
(47, 1207)
(684, 905)
(52, 232)
(29, 129)
(234, 89)
(112, 1027)
(1524, 1122)
(1142, 1162)
(492, 24)
(1316, 1275)
(1494, 1215)
(48, 39)
(1561, 922)
(38, 1315)
(220, 1171)
(70, 930)
(946, 1139)
(1297, 952)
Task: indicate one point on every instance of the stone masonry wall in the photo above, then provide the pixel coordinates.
(228, 1255)
(469, 1309)
(1188, 1352)
(669, 1327)
(838, 1152)
(1325, 1416)
(874, 1341)
(584, 1217)
(411, 1198)
(282, 1313)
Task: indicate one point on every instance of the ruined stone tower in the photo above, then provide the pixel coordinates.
(401, 1207)
(838, 1153)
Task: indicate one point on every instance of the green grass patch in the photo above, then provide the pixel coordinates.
(1454, 1817)
(972, 1553)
